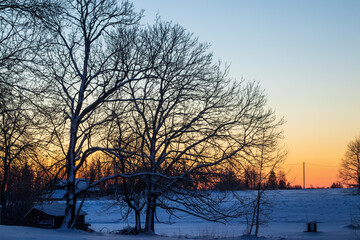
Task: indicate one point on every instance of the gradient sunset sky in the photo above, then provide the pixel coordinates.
(304, 53)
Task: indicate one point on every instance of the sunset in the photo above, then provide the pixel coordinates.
(306, 56)
(236, 119)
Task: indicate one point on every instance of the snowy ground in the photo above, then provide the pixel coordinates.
(332, 209)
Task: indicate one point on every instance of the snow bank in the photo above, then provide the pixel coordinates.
(29, 233)
(332, 209)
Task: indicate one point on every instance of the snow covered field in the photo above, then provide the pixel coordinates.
(332, 209)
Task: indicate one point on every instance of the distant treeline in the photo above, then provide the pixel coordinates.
(248, 179)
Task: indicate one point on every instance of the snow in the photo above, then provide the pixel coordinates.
(59, 192)
(29, 233)
(56, 194)
(332, 209)
(54, 209)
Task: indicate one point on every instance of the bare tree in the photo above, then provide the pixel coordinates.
(17, 143)
(185, 120)
(349, 170)
(14, 42)
(272, 181)
(83, 70)
(21, 39)
(264, 160)
(133, 188)
(19, 43)
(174, 132)
(282, 182)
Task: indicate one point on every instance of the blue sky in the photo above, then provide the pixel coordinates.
(305, 54)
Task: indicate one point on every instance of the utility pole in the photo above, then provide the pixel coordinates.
(304, 175)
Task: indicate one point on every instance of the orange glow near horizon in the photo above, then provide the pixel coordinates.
(322, 155)
(306, 63)
(315, 175)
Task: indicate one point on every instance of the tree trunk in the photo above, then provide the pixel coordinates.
(257, 213)
(3, 197)
(70, 212)
(3, 204)
(70, 197)
(150, 214)
(137, 221)
(252, 221)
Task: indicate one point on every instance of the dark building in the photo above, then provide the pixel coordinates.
(52, 216)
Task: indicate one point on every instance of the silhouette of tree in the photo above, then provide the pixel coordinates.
(282, 183)
(349, 170)
(336, 185)
(272, 181)
(174, 128)
(86, 64)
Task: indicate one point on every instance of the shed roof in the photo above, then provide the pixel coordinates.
(55, 209)
(56, 194)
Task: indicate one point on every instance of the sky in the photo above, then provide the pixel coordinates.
(305, 55)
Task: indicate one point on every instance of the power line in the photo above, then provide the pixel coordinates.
(292, 164)
(322, 165)
(312, 164)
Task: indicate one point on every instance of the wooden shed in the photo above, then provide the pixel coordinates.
(52, 216)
